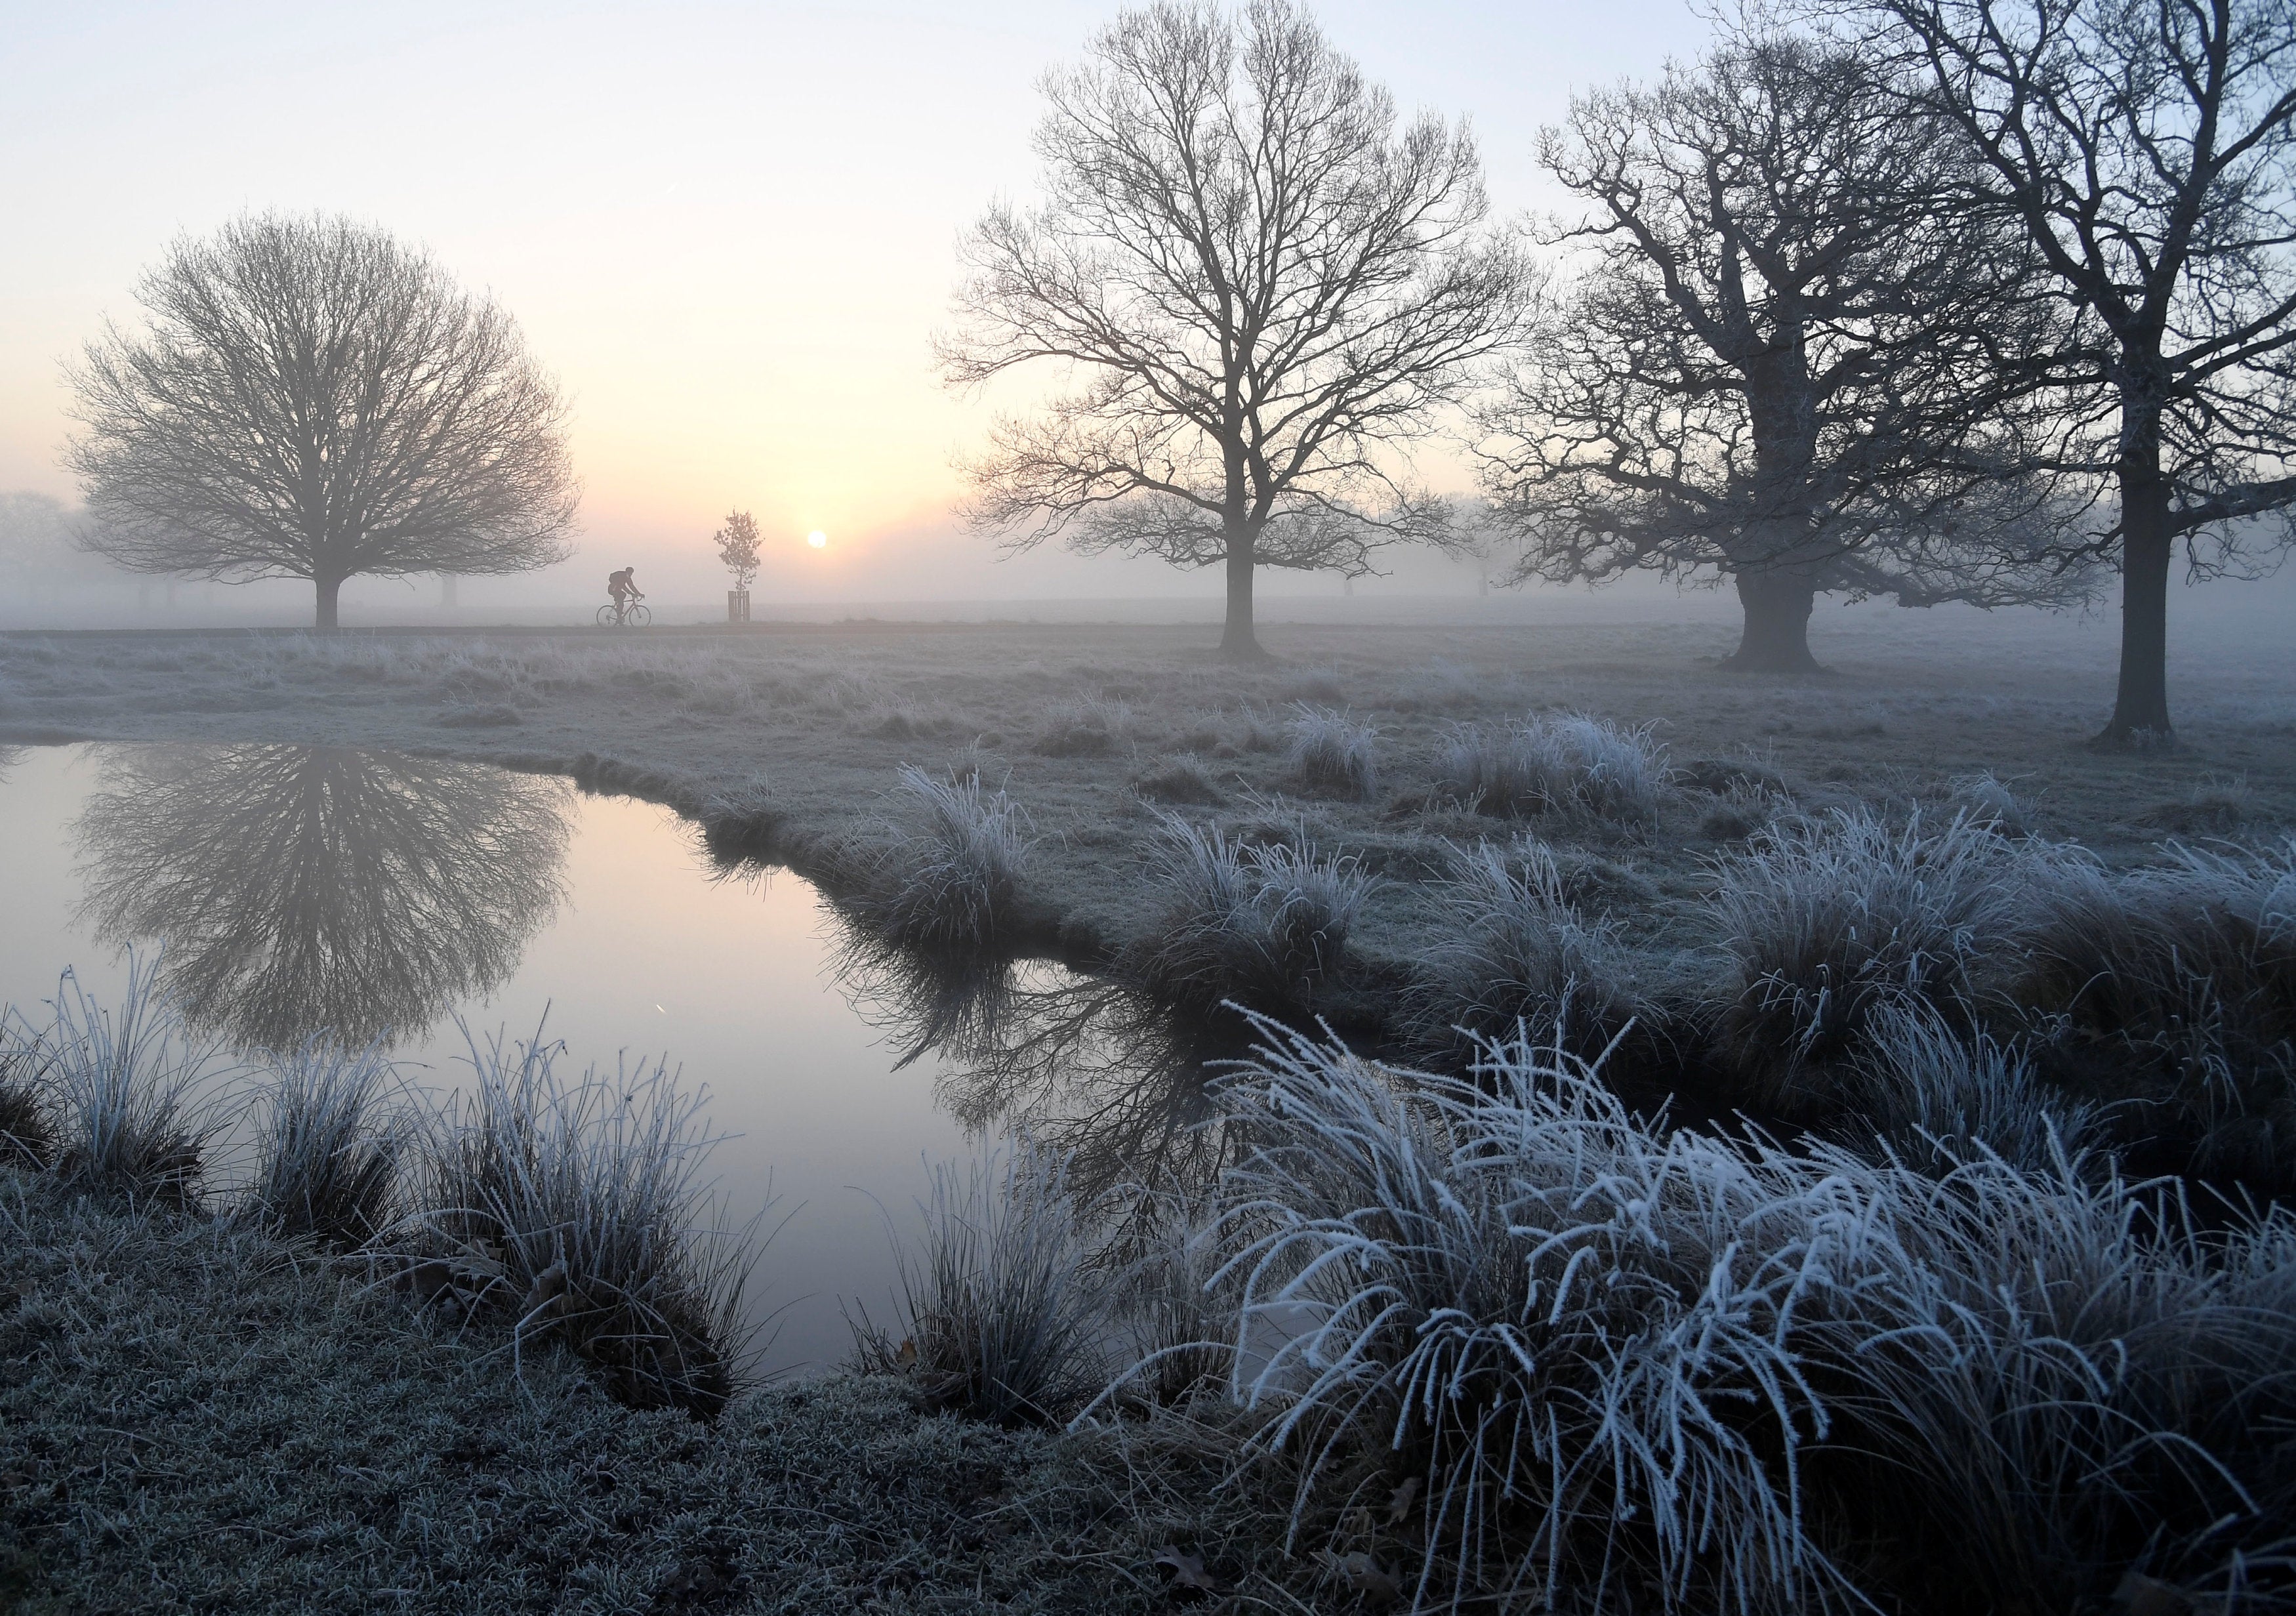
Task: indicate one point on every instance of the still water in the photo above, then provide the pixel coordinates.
(379, 896)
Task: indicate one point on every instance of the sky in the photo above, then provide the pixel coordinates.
(730, 230)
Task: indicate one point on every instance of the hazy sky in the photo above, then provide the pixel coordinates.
(729, 229)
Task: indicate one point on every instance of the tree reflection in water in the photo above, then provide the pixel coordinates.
(1086, 1067)
(318, 890)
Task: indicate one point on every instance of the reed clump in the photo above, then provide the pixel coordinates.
(1557, 762)
(575, 1205)
(1824, 922)
(333, 1132)
(1264, 923)
(1515, 951)
(128, 1098)
(1594, 1362)
(1001, 1315)
(954, 881)
(1332, 754)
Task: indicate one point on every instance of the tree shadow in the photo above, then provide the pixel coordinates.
(302, 891)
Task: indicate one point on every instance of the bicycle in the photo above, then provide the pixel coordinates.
(631, 616)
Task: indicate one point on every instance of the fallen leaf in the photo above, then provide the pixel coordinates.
(2143, 1595)
(1399, 1502)
(905, 1359)
(1188, 1571)
(547, 1293)
(1366, 1576)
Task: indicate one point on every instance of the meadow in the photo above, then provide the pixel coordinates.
(1701, 1142)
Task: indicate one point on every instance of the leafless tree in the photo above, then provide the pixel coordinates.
(2147, 150)
(313, 399)
(1779, 360)
(1262, 293)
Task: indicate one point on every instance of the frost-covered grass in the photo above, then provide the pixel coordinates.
(1000, 1315)
(1822, 923)
(576, 1206)
(2181, 974)
(130, 1096)
(199, 1416)
(1513, 950)
(1263, 923)
(1553, 762)
(1603, 1366)
(332, 1134)
(953, 882)
(1330, 753)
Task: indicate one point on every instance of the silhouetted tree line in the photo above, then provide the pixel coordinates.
(1933, 300)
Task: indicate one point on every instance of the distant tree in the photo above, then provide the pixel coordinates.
(312, 398)
(1261, 288)
(1780, 360)
(2147, 150)
(737, 547)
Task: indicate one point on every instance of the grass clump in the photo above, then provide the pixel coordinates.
(1262, 922)
(1000, 1318)
(576, 1207)
(1590, 1363)
(1557, 762)
(127, 1095)
(955, 883)
(2175, 983)
(328, 1158)
(1181, 779)
(1941, 1095)
(1332, 754)
(1824, 921)
(28, 1134)
(1516, 951)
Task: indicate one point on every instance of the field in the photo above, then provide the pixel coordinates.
(1710, 1143)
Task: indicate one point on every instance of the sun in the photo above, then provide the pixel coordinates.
(818, 539)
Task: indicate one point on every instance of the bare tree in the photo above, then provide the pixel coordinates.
(737, 547)
(1780, 361)
(1260, 290)
(2147, 150)
(312, 398)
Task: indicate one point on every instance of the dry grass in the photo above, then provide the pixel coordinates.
(1000, 1316)
(1609, 1367)
(575, 1208)
(954, 883)
(1264, 923)
(332, 1137)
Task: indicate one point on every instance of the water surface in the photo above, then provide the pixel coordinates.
(379, 896)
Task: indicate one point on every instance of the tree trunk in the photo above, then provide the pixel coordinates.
(1775, 638)
(2140, 708)
(1238, 642)
(328, 587)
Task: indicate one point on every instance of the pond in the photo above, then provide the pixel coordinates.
(374, 895)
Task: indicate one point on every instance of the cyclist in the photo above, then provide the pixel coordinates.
(623, 587)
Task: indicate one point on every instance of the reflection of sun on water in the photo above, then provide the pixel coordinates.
(818, 539)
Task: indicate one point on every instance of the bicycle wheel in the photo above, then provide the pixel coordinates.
(638, 617)
(608, 617)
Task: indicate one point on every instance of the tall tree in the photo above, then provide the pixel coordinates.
(2147, 150)
(312, 398)
(1260, 289)
(1779, 360)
